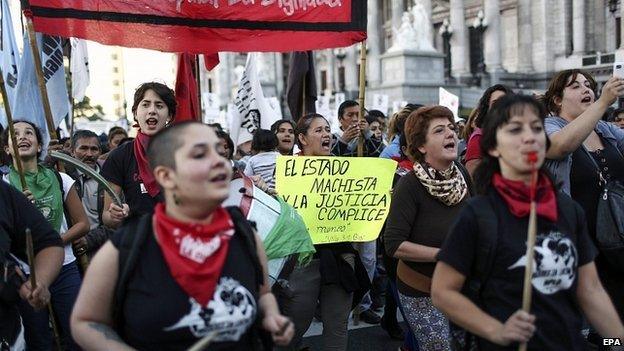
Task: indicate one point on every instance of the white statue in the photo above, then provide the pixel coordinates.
(422, 24)
(414, 34)
(405, 36)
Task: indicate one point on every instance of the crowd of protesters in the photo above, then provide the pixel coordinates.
(171, 267)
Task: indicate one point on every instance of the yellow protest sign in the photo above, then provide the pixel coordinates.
(339, 198)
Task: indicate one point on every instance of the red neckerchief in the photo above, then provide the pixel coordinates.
(517, 196)
(140, 152)
(195, 253)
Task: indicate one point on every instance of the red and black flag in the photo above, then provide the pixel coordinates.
(186, 89)
(206, 26)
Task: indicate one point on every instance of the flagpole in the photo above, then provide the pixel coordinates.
(40, 79)
(7, 108)
(361, 98)
(303, 97)
(197, 79)
(70, 92)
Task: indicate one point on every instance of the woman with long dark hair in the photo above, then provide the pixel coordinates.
(485, 251)
(472, 131)
(55, 195)
(581, 141)
(284, 129)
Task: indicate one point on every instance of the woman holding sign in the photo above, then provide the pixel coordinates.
(424, 204)
(486, 249)
(342, 271)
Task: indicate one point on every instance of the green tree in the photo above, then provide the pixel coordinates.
(86, 110)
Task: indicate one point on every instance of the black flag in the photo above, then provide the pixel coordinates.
(301, 87)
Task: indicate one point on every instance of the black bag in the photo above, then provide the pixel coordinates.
(610, 220)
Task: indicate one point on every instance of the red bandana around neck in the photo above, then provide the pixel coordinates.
(195, 253)
(517, 196)
(140, 152)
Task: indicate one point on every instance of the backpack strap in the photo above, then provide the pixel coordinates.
(68, 218)
(243, 227)
(133, 237)
(487, 240)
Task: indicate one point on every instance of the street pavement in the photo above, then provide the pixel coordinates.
(363, 337)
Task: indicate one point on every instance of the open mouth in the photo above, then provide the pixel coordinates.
(220, 178)
(23, 145)
(286, 140)
(151, 122)
(586, 99)
(450, 146)
(326, 143)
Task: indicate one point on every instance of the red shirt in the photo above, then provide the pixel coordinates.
(473, 148)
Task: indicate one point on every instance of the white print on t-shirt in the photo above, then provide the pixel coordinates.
(555, 261)
(230, 313)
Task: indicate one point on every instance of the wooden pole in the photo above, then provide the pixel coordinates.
(40, 79)
(7, 108)
(527, 287)
(18, 164)
(70, 91)
(199, 95)
(361, 98)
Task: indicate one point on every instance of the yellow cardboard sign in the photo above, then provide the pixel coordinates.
(340, 198)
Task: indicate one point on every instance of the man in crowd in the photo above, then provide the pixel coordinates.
(351, 127)
(86, 148)
(345, 144)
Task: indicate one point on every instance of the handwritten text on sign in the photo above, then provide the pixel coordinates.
(339, 198)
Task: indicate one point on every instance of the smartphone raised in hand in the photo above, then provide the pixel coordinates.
(618, 69)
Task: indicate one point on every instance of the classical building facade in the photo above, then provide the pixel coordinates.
(520, 43)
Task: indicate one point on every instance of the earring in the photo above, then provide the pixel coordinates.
(176, 200)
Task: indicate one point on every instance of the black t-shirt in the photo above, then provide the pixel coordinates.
(17, 214)
(121, 169)
(560, 249)
(586, 191)
(159, 315)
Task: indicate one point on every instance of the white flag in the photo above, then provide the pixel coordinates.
(28, 105)
(251, 110)
(10, 56)
(447, 99)
(79, 68)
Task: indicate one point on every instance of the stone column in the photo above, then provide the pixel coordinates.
(525, 36)
(373, 43)
(459, 40)
(492, 40)
(578, 27)
(427, 5)
(397, 12)
(621, 29)
(351, 71)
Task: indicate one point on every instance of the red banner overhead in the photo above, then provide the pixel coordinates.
(204, 26)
